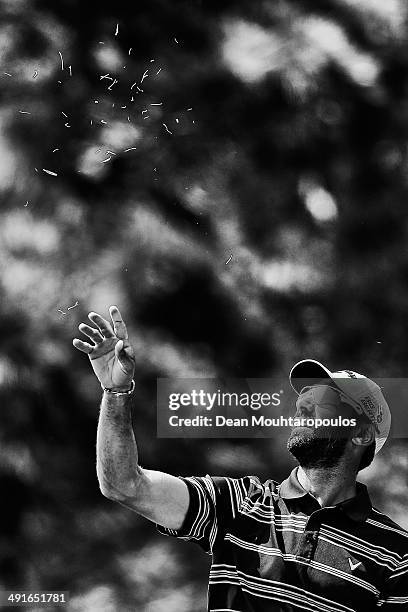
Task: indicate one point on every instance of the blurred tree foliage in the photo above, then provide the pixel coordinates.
(143, 147)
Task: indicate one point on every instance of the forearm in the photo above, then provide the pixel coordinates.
(116, 450)
(158, 496)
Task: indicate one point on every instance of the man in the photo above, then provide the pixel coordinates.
(314, 542)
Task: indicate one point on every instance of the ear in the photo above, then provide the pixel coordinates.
(364, 434)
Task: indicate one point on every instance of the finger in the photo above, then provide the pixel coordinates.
(82, 346)
(104, 325)
(91, 332)
(118, 323)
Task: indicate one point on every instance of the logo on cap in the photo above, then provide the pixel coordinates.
(369, 407)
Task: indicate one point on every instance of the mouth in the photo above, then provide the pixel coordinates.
(302, 433)
(304, 422)
(303, 428)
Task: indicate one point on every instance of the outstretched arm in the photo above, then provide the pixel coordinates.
(158, 496)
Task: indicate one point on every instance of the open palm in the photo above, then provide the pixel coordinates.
(109, 350)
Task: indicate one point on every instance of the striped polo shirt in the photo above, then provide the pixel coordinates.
(274, 548)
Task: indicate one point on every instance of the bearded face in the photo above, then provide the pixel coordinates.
(322, 446)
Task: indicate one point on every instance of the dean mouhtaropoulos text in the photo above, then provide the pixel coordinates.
(258, 421)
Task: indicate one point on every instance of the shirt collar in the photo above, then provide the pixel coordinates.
(357, 508)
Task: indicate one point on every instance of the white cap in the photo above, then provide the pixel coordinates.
(365, 394)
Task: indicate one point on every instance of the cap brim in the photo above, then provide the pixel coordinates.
(307, 371)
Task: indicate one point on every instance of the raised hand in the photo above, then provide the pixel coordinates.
(111, 355)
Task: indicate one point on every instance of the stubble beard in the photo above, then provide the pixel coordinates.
(321, 448)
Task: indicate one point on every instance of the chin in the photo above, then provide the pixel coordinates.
(315, 447)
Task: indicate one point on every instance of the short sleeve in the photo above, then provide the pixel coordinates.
(214, 503)
(395, 598)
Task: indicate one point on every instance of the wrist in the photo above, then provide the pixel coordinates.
(122, 390)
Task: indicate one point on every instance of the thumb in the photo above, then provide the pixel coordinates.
(125, 361)
(118, 348)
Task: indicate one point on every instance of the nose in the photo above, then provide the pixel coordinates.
(305, 407)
